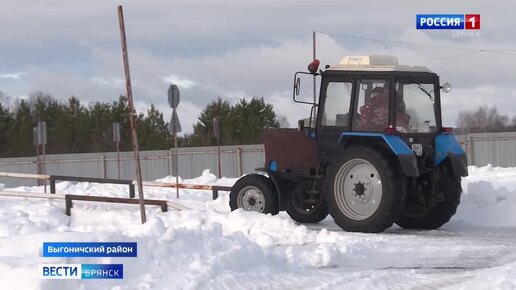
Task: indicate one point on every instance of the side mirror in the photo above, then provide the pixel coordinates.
(446, 87)
(296, 96)
(297, 85)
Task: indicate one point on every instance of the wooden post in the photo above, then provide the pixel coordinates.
(134, 137)
(52, 184)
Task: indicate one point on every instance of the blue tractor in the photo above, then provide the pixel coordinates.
(373, 152)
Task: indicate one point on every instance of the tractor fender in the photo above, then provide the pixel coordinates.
(400, 149)
(262, 171)
(447, 147)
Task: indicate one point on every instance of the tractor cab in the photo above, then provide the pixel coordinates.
(369, 95)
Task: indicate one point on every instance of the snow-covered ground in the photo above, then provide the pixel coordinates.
(209, 247)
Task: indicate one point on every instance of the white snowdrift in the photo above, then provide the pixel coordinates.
(489, 197)
(210, 247)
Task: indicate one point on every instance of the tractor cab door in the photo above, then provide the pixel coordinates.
(335, 114)
(373, 105)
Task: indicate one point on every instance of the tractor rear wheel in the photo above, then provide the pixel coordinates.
(442, 212)
(306, 208)
(254, 192)
(364, 190)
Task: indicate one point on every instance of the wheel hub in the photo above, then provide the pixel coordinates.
(251, 198)
(363, 189)
(359, 189)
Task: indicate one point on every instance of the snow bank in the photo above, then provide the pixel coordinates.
(210, 247)
(488, 198)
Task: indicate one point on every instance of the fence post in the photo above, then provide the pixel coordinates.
(131, 190)
(239, 161)
(103, 166)
(52, 184)
(469, 149)
(170, 162)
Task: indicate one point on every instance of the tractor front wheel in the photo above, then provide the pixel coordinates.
(254, 192)
(364, 190)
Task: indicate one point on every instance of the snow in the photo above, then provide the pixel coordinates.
(210, 247)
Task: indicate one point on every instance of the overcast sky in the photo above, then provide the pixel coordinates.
(241, 49)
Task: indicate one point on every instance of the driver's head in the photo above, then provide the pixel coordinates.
(377, 92)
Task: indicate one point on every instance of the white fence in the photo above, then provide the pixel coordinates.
(235, 161)
(497, 149)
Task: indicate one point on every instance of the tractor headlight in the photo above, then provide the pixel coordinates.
(446, 87)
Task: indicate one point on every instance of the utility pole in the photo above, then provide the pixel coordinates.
(130, 107)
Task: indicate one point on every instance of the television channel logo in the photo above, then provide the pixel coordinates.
(448, 21)
(81, 271)
(60, 271)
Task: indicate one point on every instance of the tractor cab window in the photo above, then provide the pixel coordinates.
(415, 101)
(337, 103)
(372, 110)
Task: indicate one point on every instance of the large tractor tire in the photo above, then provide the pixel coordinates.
(301, 209)
(364, 190)
(254, 192)
(442, 212)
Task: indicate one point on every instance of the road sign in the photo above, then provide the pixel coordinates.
(174, 126)
(173, 96)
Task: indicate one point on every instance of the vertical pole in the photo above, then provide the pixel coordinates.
(44, 167)
(118, 158)
(314, 56)
(134, 137)
(239, 161)
(38, 165)
(103, 164)
(218, 157)
(177, 165)
(216, 134)
(170, 162)
(469, 150)
(52, 185)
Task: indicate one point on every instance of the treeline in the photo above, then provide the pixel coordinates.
(484, 119)
(73, 127)
(242, 123)
(76, 128)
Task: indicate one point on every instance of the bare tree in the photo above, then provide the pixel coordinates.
(484, 119)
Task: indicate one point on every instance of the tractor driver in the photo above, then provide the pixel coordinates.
(374, 115)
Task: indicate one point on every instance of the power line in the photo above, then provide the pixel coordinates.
(476, 50)
(446, 57)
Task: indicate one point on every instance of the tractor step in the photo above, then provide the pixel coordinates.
(317, 176)
(312, 191)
